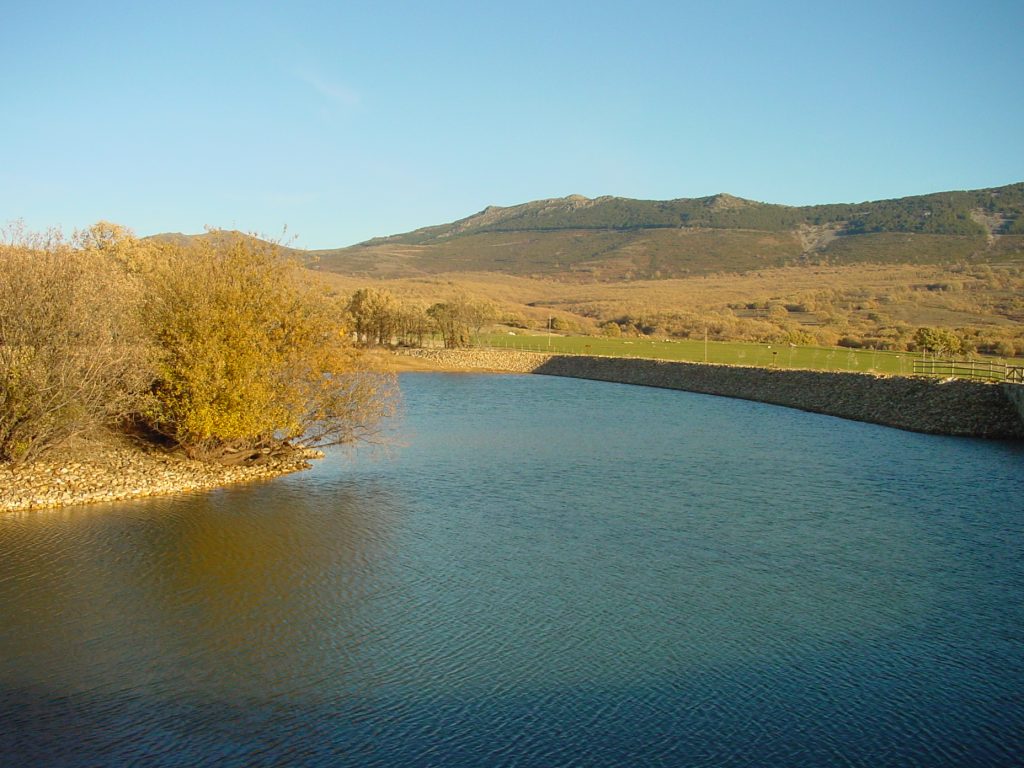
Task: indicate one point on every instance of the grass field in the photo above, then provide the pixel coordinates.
(867, 303)
(729, 353)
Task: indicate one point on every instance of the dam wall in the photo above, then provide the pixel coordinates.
(1015, 393)
(958, 407)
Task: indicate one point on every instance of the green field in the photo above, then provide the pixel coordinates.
(729, 353)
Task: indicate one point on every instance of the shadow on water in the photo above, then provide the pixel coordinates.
(731, 717)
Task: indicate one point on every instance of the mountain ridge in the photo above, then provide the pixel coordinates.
(935, 213)
(606, 238)
(611, 238)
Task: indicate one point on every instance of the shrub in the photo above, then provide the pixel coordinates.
(938, 341)
(1004, 348)
(70, 360)
(250, 356)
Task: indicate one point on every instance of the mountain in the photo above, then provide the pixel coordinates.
(613, 238)
(946, 213)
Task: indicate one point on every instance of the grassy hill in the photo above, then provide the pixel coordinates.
(864, 274)
(611, 238)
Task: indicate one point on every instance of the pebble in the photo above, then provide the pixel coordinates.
(113, 474)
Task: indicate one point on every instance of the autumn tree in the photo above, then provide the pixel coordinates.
(450, 323)
(375, 315)
(413, 324)
(479, 312)
(71, 359)
(459, 319)
(251, 356)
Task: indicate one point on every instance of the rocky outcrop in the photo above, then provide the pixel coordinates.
(938, 406)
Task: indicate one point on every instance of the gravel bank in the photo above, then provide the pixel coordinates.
(111, 474)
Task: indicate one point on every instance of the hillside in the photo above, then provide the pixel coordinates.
(818, 281)
(610, 238)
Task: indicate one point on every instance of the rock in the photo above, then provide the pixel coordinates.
(112, 474)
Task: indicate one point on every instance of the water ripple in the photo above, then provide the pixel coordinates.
(547, 572)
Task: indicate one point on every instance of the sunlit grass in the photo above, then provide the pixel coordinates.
(728, 353)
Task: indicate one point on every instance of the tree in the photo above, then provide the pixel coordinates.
(413, 324)
(374, 313)
(251, 356)
(113, 240)
(461, 318)
(478, 312)
(450, 320)
(71, 360)
(939, 341)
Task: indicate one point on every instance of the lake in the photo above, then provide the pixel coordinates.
(538, 572)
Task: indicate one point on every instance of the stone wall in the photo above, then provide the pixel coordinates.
(1015, 393)
(947, 407)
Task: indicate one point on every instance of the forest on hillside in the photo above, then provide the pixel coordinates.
(944, 213)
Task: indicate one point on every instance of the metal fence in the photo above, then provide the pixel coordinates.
(986, 370)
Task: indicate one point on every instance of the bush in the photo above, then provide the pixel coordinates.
(250, 357)
(1004, 348)
(938, 341)
(71, 361)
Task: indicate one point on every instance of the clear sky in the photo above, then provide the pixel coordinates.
(348, 120)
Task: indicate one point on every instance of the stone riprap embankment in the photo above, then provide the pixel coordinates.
(1015, 392)
(111, 474)
(946, 407)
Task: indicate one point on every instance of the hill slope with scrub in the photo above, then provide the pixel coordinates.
(866, 274)
(603, 239)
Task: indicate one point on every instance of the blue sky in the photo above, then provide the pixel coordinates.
(348, 120)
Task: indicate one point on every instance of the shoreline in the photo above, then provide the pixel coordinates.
(951, 407)
(97, 474)
(90, 474)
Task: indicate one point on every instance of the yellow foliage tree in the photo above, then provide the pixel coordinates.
(251, 356)
(71, 361)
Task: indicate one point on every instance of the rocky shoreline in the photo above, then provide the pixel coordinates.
(100, 474)
(956, 407)
(92, 474)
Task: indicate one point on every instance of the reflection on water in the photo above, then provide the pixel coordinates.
(544, 572)
(192, 579)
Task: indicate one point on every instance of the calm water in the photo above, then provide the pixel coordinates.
(542, 572)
